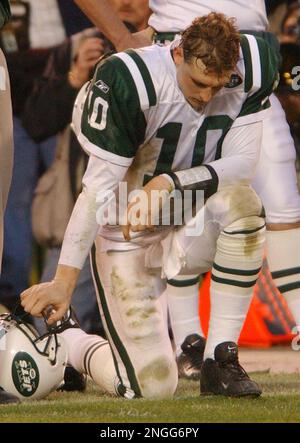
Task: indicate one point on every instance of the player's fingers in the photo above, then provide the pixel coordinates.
(34, 290)
(48, 311)
(25, 294)
(29, 301)
(91, 63)
(93, 54)
(138, 228)
(33, 296)
(90, 44)
(58, 314)
(38, 308)
(94, 41)
(126, 232)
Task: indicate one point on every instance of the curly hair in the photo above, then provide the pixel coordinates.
(215, 40)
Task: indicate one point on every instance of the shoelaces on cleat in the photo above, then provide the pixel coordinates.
(235, 367)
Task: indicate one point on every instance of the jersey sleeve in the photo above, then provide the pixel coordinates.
(99, 182)
(112, 124)
(261, 75)
(240, 154)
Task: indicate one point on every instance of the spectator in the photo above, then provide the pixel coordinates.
(35, 27)
(290, 27)
(73, 18)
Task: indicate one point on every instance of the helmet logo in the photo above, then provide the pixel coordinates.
(25, 374)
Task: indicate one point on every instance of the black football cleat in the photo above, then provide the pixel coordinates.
(73, 381)
(225, 376)
(189, 362)
(6, 398)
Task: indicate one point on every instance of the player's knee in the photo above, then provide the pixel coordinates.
(233, 203)
(159, 378)
(243, 202)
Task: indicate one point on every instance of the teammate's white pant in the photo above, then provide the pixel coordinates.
(275, 180)
(129, 287)
(276, 184)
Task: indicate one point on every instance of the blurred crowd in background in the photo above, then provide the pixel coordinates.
(51, 49)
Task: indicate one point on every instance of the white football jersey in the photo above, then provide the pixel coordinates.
(176, 15)
(135, 116)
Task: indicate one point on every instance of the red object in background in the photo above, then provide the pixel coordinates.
(269, 320)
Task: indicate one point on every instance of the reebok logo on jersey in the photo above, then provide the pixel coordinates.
(102, 86)
(235, 80)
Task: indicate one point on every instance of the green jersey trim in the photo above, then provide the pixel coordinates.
(141, 76)
(146, 76)
(137, 79)
(269, 58)
(253, 65)
(113, 121)
(97, 151)
(247, 62)
(264, 65)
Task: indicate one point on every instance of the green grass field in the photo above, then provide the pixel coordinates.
(280, 403)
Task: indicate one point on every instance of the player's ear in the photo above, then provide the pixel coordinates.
(178, 55)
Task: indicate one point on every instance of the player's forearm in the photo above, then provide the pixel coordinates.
(81, 231)
(83, 225)
(103, 15)
(68, 275)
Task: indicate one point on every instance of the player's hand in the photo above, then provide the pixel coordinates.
(87, 56)
(144, 209)
(136, 40)
(39, 297)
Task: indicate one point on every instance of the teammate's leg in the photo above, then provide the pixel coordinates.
(276, 184)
